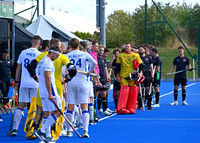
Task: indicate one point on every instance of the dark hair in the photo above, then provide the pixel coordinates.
(155, 50)
(84, 44)
(129, 43)
(180, 48)
(54, 41)
(94, 42)
(116, 50)
(55, 48)
(74, 43)
(106, 50)
(142, 47)
(45, 43)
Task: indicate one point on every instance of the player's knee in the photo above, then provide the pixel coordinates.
(175, 91)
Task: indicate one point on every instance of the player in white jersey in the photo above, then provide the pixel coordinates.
(48, 93)
(78, 87)
(28, 86)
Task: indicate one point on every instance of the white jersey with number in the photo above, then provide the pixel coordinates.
(24, 59)
(46, 65)
(78, 87)
(79, 59)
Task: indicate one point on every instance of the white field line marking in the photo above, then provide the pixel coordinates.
(107, 117)
(156, 119)
(152, 118)
(178, 89)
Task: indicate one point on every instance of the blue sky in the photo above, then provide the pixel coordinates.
(87, 8)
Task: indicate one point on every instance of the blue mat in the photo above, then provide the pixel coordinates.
(167, 124)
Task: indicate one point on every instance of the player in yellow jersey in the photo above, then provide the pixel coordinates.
(128, 62)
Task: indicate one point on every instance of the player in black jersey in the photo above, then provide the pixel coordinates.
(103, 79)
(157, 64)
(148, 73)
(180, 62)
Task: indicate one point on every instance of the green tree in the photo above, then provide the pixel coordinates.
(119, 29)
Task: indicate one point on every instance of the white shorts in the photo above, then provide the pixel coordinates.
(26, 94)
(47, 105)
(77, 92)
(91, 89)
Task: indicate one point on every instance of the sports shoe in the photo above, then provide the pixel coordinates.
(106, 113)
(156, 105)
(85, 134)
(100, 110)
(92, 122)
(110, 110)
(41, 135)
(13, 133)
(150, 108)
(50, 140)
(185, 103)
(69, 134)
(1, 119)
(174, 103)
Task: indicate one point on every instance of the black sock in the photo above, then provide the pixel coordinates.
(139, 100)
(99, 100)
(104, 103)
(175, 95)
(157, 97)
(116, 100)
(183, 95)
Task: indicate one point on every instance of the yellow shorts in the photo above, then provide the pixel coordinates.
(38, 99)
(127, 82)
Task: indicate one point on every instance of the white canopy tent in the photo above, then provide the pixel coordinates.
(47, 28)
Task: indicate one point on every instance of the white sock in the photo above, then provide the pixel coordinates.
(48, 132)
(85, 117)
(44, 119)
(75, 113)
(17, 118)
(69, 116)
(49, 121)
(91, 111)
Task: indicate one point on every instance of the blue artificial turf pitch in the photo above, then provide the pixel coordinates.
(167, 124)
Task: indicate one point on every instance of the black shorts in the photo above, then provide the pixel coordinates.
(179, 80)
(156, 83)
(103, 82)
(146, 82)
(116, 86)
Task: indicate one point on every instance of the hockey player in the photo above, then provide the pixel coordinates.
(28, 86)
(127, 102)
(78, 87)
(48, 92)
(148, 73)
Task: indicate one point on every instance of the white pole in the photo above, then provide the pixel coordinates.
(193, 70)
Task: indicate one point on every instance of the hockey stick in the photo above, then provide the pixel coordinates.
(180, 71)
(70, 124)
(92, 74)
(8, 133)
(140, 88)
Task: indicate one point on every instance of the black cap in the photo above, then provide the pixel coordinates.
(5, 51)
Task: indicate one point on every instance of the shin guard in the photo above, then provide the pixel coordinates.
(122, 100)
(132, 99)
(29, 125)
(58, 125)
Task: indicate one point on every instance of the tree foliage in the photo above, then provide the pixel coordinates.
(125, 27)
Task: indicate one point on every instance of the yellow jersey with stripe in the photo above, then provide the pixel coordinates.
(127, 63)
